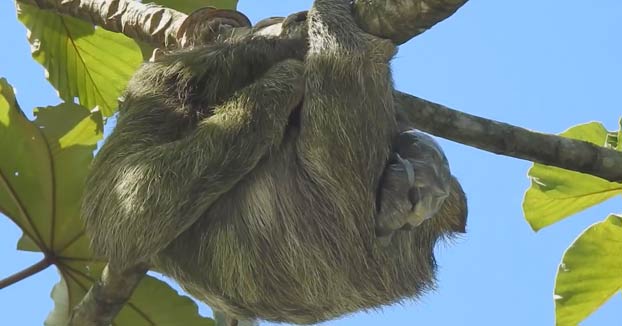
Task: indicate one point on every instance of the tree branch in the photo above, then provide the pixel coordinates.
(106, 297)
(505, 139)
(26, 272)
(148, 23)
(401, 20)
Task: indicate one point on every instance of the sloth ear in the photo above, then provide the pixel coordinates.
(204, 25)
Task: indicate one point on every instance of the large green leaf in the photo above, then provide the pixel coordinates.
(42, 176)
(557, 193)
(189, 6)
(72, 133)
(590, 272)
(81, 61)
(26, 180)
(43, 167)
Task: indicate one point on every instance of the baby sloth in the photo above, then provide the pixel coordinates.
(270, 176)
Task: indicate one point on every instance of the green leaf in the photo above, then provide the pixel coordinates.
(557, 193)
(47, 162)
(42, 171)
(155, 301)
(590, 272)
(189, 6)
(72, 133)
(42, 176)
(152, 303)
(26, 180)
(59, 316)
(81, 61)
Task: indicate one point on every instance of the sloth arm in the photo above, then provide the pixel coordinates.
(347, 120)
(140, 198)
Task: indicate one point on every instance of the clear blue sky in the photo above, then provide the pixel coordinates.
(543, 65)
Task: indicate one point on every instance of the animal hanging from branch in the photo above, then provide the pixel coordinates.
(272, 176)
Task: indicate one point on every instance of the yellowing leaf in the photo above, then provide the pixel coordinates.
(81, 61)
(557, 193)
(590, 272)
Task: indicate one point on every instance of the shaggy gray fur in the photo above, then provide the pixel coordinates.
(249, 172)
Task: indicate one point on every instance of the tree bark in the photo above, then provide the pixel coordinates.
(505, 139)
(106, 297)
(401, 20)
(149, 23)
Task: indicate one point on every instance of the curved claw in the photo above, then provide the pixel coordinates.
(295, 18)
(295, 26)
(268, 22)
(204, 24)
(408, 167)
(414, 196)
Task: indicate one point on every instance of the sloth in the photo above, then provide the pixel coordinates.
(272, 176)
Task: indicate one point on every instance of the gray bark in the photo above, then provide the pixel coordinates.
(106, 297)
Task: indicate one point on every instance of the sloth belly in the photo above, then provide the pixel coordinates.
(276, 249)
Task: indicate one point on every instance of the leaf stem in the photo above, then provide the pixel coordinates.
(27, 272)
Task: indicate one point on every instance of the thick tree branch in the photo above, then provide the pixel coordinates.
(106, 297)
(148, 23)
(158, 27)
(502, 138)
(401, 20)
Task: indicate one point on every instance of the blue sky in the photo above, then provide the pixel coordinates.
(542, 65)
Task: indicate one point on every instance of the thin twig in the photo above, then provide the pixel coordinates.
(26, 272)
